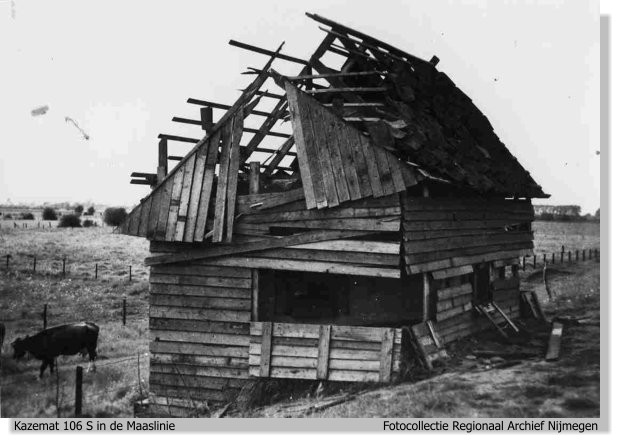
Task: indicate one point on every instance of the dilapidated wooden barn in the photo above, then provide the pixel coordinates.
(388, 220)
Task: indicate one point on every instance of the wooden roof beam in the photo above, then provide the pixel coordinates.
(367, 38)
(198, 123)
(280, 154)
(347, 89)
(222, 106)
(179, 139)
(267, 52)
(335, 74)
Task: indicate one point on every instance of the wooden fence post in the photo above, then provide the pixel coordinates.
(583, 254)
(130, 273)
(44, 316)
(79, 373)
(576, 255)
(534, 261)
(96, 271)
(123, 311)
(563, 250)
(524, 262)
(569, 256)
(544, 256)
(553, 259)
(7, 261)
(63, 266)
(34, 265)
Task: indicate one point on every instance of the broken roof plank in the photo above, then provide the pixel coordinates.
(222, 106)
(267, 52)
(346, 89)
(336, 74)
(178, 138)
(221, 188)
(260, 134)
(279, 155)
(206, 187)
(232, 176)
(366, 37)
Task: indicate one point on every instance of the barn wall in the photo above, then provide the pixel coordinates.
(454, 312)
(199, 331)
(441, 233)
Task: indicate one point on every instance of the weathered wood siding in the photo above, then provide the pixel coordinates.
(199, 331)
(455, 316)
(441, 233)
(329, 352)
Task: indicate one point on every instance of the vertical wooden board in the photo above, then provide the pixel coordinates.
(323, 351)
(198, 178)
(385, 365)
(154, 213)
(185, 196)
(397, 174)
(351, 174)
(161, 225)
(232, 178)
(385, 176)
(145, 216)
(318, 123)
(355, 145)
(298, 131)
(134, 219)
(174, 205)
(206, 189)
(336, 160)
(254, 295)
(266, 350)
(371, 163)
(221, 188)
(312, 153)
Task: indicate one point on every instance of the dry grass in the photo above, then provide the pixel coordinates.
(549, 236)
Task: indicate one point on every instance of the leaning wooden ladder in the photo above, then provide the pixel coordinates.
(427, 343)
(495, 315)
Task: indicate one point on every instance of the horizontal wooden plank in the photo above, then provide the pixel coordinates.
(416, 247)
(198, 370)
(200, 302)
(206, 281)
(196, 269)
(452, 272)
(452, 233)
(338, 332)
(413, 226)
(308, 266)
(194, 290)
(208, 361)
(471, 215)
(465, 260)
(199, 337)
(361, 258)
(199, 314)
(416, 258)
(247, 204)
(451, 292)
(234, 328)
(209, 382)
(307, 373)
(390, 248)
(385, 224)
(324, 214)
(336, 364)
(311, 352)
(421, 204)
(197, 349)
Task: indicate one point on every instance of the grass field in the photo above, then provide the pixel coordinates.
(568, 388)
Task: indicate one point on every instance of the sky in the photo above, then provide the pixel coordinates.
(122, 70)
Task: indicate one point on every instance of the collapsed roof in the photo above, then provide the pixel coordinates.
(380, 122)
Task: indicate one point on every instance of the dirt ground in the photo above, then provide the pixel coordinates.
(521, 384)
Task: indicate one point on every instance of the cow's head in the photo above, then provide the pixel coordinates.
(19, 348)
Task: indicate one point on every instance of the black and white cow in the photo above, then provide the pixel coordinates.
(66, 339)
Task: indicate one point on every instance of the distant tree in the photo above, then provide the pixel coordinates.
(114, 216)
(88, 223)
(597, 215)
(7, 216)
(26, 215)
(90, 210)
(79, 209)
(70, 220)
(49, 214)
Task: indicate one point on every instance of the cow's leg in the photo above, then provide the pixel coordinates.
(92, 364)
(43, 367)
